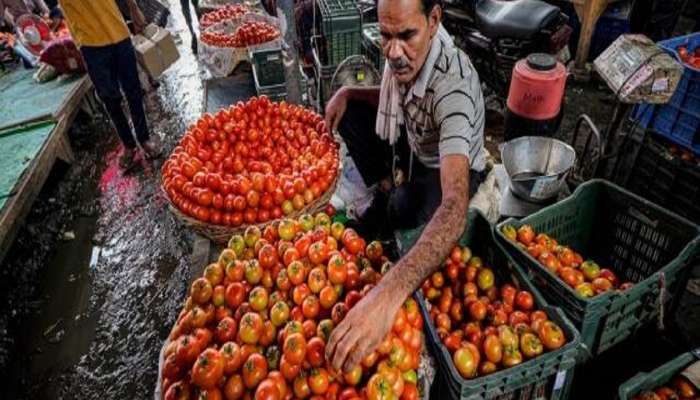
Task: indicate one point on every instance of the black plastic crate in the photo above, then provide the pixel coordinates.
(664, 178)
(154, 11)
(371, 45)
(269, 65)
(276, 92)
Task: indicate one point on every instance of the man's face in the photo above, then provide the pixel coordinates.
(406, 35)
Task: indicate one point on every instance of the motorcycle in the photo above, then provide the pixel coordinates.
(495, 34)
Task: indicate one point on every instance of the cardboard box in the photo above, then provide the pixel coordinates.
(155, 50)
(639, 71)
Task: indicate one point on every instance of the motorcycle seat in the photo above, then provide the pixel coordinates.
(518, 19)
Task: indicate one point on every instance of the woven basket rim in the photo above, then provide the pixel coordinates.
(222, 233)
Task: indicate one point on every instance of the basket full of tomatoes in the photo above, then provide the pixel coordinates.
(639, 243)
(255, 325)
(251, 164)
(225, 44)
(226, 13)
(490, 330)
(663, 383)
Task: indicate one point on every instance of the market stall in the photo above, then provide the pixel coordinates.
(34, 121)
(515, 311)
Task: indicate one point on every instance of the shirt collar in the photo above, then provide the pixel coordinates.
(419, 86)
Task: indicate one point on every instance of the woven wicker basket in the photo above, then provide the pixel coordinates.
(221, 234)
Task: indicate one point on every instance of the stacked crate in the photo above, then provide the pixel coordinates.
(371, 45)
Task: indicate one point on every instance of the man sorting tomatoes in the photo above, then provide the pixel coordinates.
(426, 120)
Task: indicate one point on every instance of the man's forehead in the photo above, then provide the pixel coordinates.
(396, 16)
(399, 9)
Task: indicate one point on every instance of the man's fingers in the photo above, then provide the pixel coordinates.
(361, 350)
(336, 336)
(344, 348)
(336, 122)
(330, 120)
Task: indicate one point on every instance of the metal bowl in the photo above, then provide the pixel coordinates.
(537, 166)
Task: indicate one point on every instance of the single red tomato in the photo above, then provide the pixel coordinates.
(208, 370)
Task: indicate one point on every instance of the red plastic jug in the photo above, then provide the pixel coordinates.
(537, 87)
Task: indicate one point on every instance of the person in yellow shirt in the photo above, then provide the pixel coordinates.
(99, 30)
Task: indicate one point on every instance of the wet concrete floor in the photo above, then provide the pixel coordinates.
(97, 275)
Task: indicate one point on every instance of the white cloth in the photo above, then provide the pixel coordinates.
(390, 113)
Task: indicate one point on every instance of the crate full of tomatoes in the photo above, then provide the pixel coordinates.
(255, 325)
(679, 119)
(608, 257)
(251, 163)
(490, 330)
(663, 383)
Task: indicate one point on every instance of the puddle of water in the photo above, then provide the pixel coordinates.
(61, 329)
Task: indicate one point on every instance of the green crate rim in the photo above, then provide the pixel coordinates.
(594, 308)
(659, 376)
(688, 251)
(572, 350)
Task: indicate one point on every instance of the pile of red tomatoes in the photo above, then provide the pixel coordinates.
(247, 34)
(486, 328)
(692, 58)
(225, 13)
(251, 163)
(255, 325)
(678, 388)
(587, 278)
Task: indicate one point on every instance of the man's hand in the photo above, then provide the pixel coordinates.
(335, 109)
(137, 17)
(363, 328)
(370, 320)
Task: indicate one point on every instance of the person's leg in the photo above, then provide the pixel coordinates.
(371, 155)
(195, 4)
(185, 4)
(101, 67)
(131, 86)
(414, 203)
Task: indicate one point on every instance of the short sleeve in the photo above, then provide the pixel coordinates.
(458, 112)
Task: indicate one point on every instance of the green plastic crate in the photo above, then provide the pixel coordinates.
(341, 23)
(640, 241)
(274, 92)
(547, 376)
(371, 45)
(268, 63)
(658, 377)
(323, 77)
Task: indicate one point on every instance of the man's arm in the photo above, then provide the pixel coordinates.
(137, 17)
(365, 326)
(440, 234)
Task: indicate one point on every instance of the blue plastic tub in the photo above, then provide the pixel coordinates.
(679, 119)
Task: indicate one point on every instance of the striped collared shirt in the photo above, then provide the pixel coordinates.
(444, 109)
